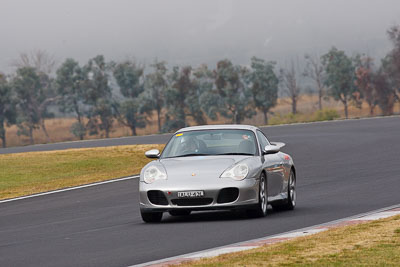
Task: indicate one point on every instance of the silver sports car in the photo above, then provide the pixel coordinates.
(217, 167)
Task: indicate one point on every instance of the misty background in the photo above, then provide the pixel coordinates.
(193, 32)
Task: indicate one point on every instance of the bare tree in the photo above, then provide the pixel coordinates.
(314, 70)
(364, 81)
(41, 60)
(386, 93)
(290, 85)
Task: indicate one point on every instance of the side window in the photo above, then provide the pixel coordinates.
(266, 139)
(262, 139)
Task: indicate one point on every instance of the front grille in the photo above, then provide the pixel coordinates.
(157, 197)
(227, 195)
(192, 201)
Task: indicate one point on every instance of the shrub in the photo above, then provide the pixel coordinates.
(78, 129)
(325, 115)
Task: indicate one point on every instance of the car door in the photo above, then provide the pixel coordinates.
(272, 164)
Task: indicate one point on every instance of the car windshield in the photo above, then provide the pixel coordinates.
(210, 143)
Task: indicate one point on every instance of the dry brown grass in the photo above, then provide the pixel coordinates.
(369, 244)
(59, 128)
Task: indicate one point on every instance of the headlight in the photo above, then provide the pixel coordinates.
(153, 173)
(237, 172)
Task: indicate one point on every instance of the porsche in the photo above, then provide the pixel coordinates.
(217, 167)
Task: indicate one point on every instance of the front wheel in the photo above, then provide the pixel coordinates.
(291, 192)
(261, 209)
(151, 217)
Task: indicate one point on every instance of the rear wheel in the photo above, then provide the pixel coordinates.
(290, 202)
(261, 209)
(151, 217)
(180, 212)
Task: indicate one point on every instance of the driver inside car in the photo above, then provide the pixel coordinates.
(189, 145)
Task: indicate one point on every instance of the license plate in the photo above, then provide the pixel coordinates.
(191, 194)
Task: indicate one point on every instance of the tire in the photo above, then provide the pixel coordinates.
(180, 212)
(262, 206)
(290, 202)
(151, 217)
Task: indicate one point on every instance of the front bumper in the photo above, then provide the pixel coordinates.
(247, 195)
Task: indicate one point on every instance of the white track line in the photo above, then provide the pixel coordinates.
(70, 188)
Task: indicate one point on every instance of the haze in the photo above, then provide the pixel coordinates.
(193, 32)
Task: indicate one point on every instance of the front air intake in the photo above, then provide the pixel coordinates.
(192, 201)
(157, 197)
(227, 195)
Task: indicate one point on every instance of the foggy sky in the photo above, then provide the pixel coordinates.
(193, 32)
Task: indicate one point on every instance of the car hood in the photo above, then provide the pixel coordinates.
(199, 167)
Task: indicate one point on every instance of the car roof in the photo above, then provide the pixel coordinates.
(219, 126)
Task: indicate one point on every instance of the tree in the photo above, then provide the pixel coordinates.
(290, 85)
(98, 96)
(129, 114)
(391, 64)
(392, 60)
(69, 83)
(34, 94)
(264, 85)
(129, 77)
(40, 60)
(387, 80)
(364, 81)
(315, 71)
(340, 76)
(386, 94)
(183, 98)
(7, 108)
(175, 97)
(104, 115)
(235, 95)
(47, 84)
(155, 85)
(205, 94)
(43, 63)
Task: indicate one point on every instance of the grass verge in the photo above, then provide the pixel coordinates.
(375, 243)
(319, 115)
(33, 172)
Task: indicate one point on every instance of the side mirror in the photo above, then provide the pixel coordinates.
(275, 147)
(271, 149)
(279, 144)
(152, 154)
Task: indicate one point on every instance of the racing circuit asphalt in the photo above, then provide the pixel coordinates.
(343, 168)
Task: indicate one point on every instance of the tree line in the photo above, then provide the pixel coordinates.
(177, 95)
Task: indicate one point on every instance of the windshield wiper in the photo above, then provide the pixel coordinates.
(246, 154)
(191, 154)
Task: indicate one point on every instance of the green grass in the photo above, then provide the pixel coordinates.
(33, 172)
(368, 244)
